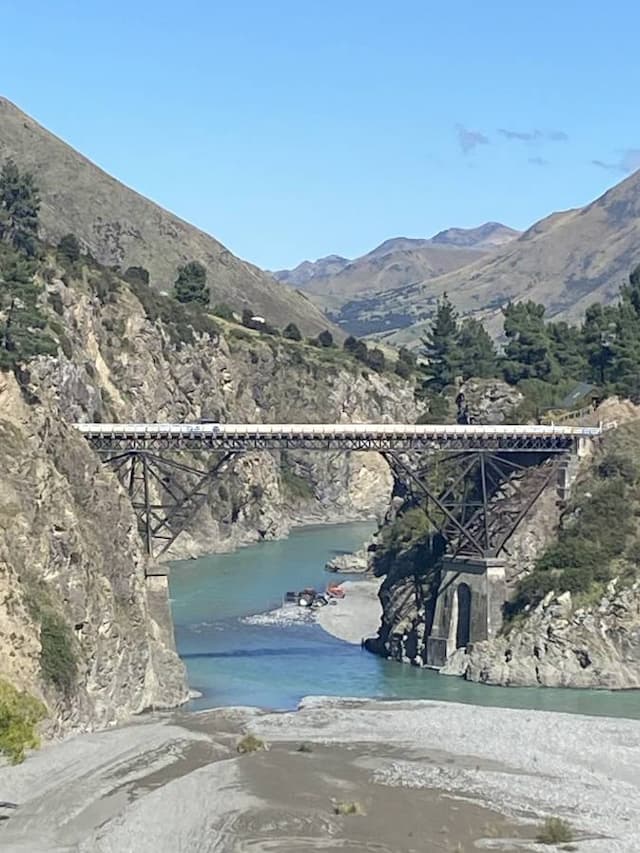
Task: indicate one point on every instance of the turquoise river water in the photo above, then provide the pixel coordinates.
(235, 662)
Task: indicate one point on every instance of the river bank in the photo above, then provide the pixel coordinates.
(356, 616)
(426, 775)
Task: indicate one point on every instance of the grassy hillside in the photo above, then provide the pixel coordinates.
(122, 228)
(566, 262)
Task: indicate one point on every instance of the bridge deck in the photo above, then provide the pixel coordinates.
(237, 437)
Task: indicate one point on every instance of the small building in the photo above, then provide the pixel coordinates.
(582, 395)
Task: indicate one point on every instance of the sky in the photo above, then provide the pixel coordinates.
(293, 129)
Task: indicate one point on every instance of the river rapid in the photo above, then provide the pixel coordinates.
(235, 655)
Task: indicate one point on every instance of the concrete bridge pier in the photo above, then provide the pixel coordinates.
(469, 605)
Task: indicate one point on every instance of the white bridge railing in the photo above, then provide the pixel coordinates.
(399, 431)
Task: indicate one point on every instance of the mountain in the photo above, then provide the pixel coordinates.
(566, 261)
(337, 284)
(307, 270)
(489, 236)
(122, 228)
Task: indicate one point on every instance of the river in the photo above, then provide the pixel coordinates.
(233, 659)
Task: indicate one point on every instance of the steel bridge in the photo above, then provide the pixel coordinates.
(476, 462)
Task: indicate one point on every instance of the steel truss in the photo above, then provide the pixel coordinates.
(285, 441)
(144, 474)
(484, 498)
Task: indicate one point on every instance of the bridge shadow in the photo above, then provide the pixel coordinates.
(302, 651)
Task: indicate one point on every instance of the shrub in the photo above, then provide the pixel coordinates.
(402, 369)
(55, 300)
(19, 715)
(348, 808)
(325, 338)
(250, 743)
(133, 275)
(293, 484)
(376, 360)
(68, 249)
(292, 332)
(224, 311)
(57, 658)
(191, 284)
(555, 830)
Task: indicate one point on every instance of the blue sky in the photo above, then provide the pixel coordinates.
(292, 130)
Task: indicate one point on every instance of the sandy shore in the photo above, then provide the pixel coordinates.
(357, 615)
(429, 776)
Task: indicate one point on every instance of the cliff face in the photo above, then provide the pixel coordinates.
(85, 631)
(559, 645)
(78, 626)
(586, 638)
(126, 366)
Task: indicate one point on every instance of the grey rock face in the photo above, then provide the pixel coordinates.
(67, 529)
(68, 541)
(235, 376)
(558, 646)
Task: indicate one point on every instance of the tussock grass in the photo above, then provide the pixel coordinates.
(349, 808)
(555, 830)
(250, 743)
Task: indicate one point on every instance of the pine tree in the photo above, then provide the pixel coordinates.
(528, 353)
(598, 333)
(567, 350)
(441, 346)
(68, 249)
(292, 332)
(19, 208)
(477, 351)
(191, 284)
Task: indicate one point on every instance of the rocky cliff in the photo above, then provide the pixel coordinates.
(84, 629)
(127, 361)
(572, 581)
(561, 645)
(79, 624)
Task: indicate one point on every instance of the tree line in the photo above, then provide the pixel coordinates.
(604, 349)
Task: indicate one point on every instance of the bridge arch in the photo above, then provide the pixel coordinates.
(463, 628)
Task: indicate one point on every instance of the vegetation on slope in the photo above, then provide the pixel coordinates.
(542, 359)
(19, 715)
(599, 537)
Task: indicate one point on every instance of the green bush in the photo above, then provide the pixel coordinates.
(292, 332)
(555, 830)
(134, 275)
(224, 311)
(191, 284)
(250, 743)
(293, 484)
(598, 529)
(19, 715)
(181, 322)
(57, 657)
(68, 249)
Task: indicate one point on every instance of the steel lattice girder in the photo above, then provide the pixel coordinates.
(213, 443)
(464, 512)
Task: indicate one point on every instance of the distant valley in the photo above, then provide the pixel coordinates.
(349, 290)
(566, 261)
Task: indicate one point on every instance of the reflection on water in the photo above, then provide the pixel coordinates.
(232, 662)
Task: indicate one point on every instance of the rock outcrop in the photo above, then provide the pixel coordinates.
(80, 626)
(127, 365)
(559, 646)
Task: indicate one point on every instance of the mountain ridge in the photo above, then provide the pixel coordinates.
(121, 227)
